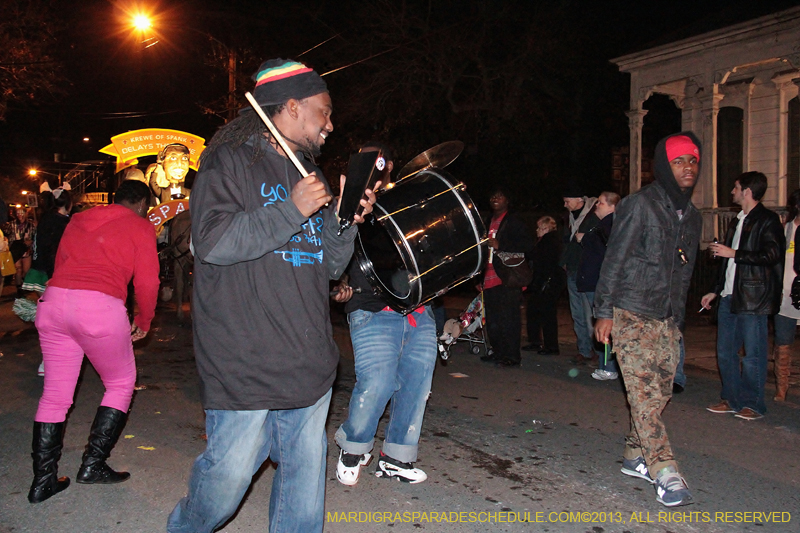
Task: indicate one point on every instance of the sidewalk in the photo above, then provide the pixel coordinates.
(701, 337)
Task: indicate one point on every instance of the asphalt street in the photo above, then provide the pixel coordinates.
(536, 448)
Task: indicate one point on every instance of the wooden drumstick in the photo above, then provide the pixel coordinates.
(275, 133)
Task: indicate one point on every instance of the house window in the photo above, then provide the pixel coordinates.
(730, 130)
(793, 148)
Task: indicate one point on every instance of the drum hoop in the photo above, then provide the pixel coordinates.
(407, 248)
(468, 212)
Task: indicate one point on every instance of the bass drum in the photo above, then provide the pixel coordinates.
(424, 237)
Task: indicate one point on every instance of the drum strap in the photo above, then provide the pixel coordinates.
(411, 320)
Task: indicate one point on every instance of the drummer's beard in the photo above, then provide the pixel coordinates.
(307, 146)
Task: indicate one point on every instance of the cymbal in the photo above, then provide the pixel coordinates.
(439, 156)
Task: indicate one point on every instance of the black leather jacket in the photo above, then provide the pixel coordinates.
(758, 281)
(643, 271)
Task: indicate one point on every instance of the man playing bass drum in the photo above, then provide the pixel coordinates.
(394, 360)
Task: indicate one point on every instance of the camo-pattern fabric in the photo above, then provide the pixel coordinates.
(648, 351)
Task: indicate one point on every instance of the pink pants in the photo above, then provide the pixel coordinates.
(71, 323)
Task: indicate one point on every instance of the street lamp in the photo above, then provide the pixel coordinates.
(143, 23)
(33, 172)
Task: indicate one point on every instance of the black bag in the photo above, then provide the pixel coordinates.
(554, 283)
(513, 269)
(795, 292)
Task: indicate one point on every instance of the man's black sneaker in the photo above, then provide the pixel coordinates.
(389, 467)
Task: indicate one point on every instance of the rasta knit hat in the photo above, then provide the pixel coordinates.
(278, 80)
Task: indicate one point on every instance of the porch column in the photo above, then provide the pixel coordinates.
(635, 122)
(708, 171)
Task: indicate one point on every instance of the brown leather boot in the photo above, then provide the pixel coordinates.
(783, 366)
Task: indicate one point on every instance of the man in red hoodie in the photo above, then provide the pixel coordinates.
(83, 311)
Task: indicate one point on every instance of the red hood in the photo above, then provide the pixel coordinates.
(96, 217)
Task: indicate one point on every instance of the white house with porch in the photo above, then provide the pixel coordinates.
(737, 89)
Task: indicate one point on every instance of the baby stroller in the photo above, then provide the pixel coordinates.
(469, 327)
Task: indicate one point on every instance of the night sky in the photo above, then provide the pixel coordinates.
(527, 85)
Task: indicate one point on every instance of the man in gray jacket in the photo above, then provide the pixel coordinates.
(581, 221)
(266, 246)
(640, 300)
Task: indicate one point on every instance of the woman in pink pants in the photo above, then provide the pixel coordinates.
(83, 312)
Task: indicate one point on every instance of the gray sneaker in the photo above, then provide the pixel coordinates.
(671, 488)
(636, 468)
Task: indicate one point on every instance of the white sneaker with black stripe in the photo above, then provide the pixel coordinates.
(349, 467)
(390, 467)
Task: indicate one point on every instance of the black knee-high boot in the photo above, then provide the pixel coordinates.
(48, 439)
(106, 429)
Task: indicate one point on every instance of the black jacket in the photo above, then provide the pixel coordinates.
(513, 235)
(45, 244)
(572, 252)
(758, 281)
(651, 251)
(594, 251)
(544, 263)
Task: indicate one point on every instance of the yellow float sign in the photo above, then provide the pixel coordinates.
(129, 146)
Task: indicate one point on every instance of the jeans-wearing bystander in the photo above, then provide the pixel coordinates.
(581, 312)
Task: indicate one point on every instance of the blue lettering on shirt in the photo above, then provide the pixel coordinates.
(313, 239)
(276, 194)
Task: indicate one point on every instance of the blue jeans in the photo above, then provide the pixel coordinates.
(785, 329)
(394, 361)
(680, 377)
(611, 366)
(742, 387)
(581, 311)
(238, 444)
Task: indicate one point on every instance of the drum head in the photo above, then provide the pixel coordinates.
(386, 264)
(424, 236)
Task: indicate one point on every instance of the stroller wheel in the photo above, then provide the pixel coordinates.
(476, 349)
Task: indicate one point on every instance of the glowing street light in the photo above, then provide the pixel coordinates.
(142, 22)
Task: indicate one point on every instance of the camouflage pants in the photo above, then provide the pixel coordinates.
(648, 351)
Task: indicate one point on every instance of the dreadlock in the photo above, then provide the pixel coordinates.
(239, 130)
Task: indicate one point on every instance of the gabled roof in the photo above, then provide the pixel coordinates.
(775, 22)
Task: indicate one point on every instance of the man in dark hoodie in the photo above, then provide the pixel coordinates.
(640, 300)
(266, 245)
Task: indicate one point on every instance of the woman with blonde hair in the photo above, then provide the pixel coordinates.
(548, 282)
